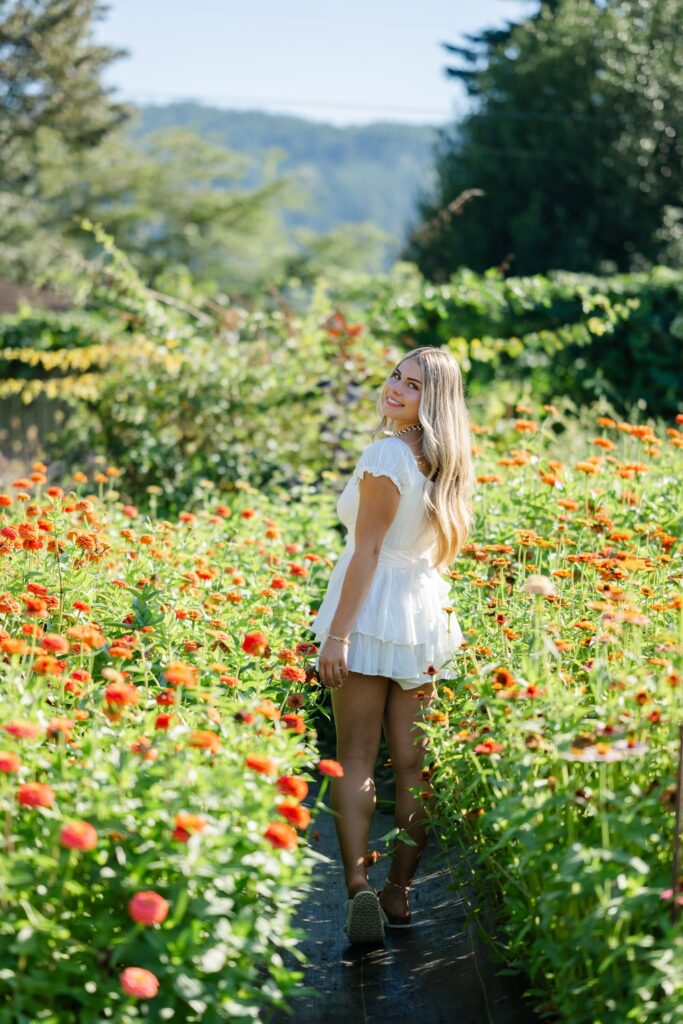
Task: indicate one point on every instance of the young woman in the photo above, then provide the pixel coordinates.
(384, 629)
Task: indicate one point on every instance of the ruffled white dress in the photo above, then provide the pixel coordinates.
(402, 630)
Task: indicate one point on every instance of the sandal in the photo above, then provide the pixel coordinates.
(396, 920)
(365, 918)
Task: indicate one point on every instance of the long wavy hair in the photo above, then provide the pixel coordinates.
(447, 444)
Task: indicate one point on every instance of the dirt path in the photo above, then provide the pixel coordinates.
(438, 973)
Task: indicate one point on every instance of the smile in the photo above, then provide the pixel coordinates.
(390, 401)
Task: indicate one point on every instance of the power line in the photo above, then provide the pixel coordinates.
(448, 116)
(313, 16)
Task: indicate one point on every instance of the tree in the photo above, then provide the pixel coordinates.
(50, 79)
(51, 98)
(575, 141)
(176, 204)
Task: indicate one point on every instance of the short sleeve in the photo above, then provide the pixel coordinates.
(385, 458)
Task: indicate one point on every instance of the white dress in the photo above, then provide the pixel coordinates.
(402, 629)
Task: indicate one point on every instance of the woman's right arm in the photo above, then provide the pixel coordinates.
(378, 505)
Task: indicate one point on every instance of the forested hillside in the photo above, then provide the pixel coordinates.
(354, 174)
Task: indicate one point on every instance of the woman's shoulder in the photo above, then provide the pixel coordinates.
(385, 445)
(387, 456)
(386, 451)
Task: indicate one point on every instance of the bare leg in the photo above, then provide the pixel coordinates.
(358, 708)
(407, 745)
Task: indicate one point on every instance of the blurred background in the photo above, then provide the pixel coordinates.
(221, 222)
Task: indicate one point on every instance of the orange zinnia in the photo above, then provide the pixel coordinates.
(206, 740)
(261, 763)
(179, 673)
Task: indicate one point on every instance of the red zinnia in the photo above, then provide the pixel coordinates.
(23, 730)
(281, 836)
(329, 767)
(295, 722)
(148, 908)
(78, 835)
(55, 643)
(255, 643)
(488, 747)
(297, 815)
(35, 794)
(121, 694)
(290, 785)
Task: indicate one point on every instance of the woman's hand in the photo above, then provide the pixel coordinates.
(332, 664)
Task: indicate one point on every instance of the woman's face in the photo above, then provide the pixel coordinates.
(401, 393)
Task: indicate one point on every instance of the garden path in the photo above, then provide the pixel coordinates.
(440, 972)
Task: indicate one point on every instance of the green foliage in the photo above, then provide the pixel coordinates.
(248, 406)
(547, 337)
(148, 710)
(576, 140)
(227, 395)
(555, 752)
(182, 209)
(230, 393)
(174, 202)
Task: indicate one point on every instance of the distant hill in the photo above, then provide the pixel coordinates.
(360, 173)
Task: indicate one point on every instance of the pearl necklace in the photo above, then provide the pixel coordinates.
(415, 426)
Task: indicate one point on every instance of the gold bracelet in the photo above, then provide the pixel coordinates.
(344, 640)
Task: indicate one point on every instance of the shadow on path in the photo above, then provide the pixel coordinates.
(439, 972)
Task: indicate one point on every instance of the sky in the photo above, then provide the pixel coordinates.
(350, 62)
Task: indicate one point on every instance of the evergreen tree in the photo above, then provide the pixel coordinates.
(50, 80)
(51, 101)
(573, 154)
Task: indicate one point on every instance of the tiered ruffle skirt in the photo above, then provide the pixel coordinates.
(402, 630)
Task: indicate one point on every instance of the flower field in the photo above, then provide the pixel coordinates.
(154, 753)
(158, 733)
(556, 755)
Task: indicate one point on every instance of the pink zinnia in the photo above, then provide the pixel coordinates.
(78, 835)
(148, 908)
(139, 982)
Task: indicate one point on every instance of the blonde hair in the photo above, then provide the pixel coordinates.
(447, 444)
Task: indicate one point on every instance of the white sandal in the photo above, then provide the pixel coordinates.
(365, 918)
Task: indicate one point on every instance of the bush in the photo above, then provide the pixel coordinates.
(555, 753)
(150, 671)
(572, 335)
